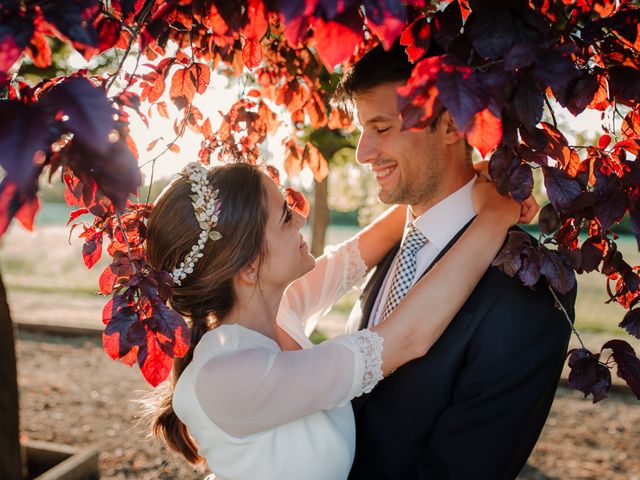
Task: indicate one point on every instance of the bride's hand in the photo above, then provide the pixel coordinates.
(487, 201)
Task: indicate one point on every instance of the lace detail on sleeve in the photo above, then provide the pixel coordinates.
(370, 345)
(355, 268)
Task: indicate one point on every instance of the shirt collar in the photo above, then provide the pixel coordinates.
(441, 222)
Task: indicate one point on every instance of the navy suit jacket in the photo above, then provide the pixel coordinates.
(474, 405)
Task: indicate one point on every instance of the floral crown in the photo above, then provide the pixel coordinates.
(206, 206)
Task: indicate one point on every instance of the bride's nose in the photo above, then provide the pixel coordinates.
(299, 219)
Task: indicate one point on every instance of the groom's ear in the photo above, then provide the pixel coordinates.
(451, 132)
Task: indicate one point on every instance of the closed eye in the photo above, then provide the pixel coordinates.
(382, 130)
(288, 215)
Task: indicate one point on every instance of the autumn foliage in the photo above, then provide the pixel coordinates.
(495, 66)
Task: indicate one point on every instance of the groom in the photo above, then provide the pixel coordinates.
(474, 405)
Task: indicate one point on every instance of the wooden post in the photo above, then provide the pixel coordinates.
(10, 457)
(320, 217)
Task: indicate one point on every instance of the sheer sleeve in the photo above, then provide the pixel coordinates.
(255, 389)
(307, 299)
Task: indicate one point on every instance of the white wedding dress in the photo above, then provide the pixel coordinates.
(260, 413)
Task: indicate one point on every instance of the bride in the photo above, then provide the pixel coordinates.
(254, 398)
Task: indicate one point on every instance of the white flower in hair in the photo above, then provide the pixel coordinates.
(206, 207)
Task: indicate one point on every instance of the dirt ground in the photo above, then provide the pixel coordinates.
(72, 393)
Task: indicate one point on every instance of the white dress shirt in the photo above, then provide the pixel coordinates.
(439, 224)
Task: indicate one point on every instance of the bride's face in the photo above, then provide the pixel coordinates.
(288, 256)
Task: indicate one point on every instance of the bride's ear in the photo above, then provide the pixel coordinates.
(249, 273)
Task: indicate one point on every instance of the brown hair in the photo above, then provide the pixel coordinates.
(207, 294)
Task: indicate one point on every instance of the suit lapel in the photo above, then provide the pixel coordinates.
(455, 238)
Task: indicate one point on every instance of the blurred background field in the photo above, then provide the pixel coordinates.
(47, 279)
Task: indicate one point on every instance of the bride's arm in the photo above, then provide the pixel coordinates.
(306, 299)
(408, 333)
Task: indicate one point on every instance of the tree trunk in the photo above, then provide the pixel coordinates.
(10, 458)
(320, 220)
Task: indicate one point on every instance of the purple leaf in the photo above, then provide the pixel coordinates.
(73, 19)
(24, 131)
(120, 323)
(579, 93)
(168, 322)
(634, 217)
(555, 68)
(116, 172)
(536, 138)
(624, 83)
(559, 275)
(509, 259)
(628, 364)
(548, 219)
(14, 37)
(528, 103)
(492, 31)
(611, 205)
(446, 25)
(631, 322)
(591, 254)
(588, 375)
(90, 112)
(530, 272)
(520, 56)
(460, 93)
(561, 188)
(521, 182)
(500, 167)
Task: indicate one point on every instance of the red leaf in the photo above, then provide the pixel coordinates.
(273, 173)
(201, 75)
(336, 41)
(417, 38)
(111, 345)
(174, 148)
(631, 125)
(416, 100)
(107, 280)
(182, 86)
(385, 25)
(316, 162)
(256, 20)
(39, 50)
(604, 141)
(486, 132)
(297, 201)
(600, 100)
(252, 53)
(27, 212)
(14, 37)
(152, 144)
(155, 364)
(339, 118)
(162, 109)
(316, 111)
(75, 214)
(92, 249)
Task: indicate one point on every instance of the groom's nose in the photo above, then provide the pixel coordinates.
(366, 151)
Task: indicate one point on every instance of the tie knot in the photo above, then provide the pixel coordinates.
(414, 240)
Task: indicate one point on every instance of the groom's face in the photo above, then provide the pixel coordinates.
(408, 164)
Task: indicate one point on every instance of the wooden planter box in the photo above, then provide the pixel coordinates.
(53, 461)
